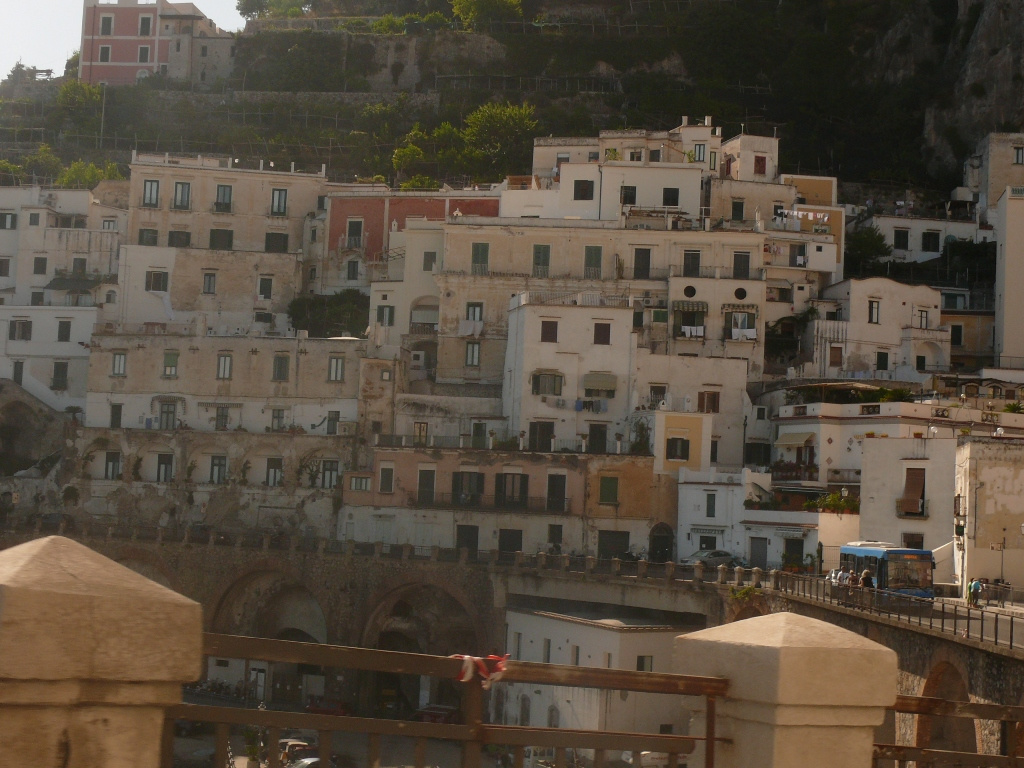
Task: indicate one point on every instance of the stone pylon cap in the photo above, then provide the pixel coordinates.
(786, 658)
(67, 612)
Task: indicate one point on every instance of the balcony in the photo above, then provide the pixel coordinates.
(423, 329)
(794, 473)
(844, 476)
(717, 273)
(912, 509)
(220, 207)
(494, 502)
(915, 333)
(505, 442)
(352, 243)
(58, 384)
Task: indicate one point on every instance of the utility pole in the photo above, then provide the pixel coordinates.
(103, 114)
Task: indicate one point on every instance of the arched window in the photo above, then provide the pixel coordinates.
(111, 297)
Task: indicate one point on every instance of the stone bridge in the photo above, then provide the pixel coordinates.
(433, 601)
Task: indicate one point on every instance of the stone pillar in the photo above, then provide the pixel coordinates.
(738, 572)
(698, 573)
(93, 653)
(756, 576)
(641, 569)
(723, 571)
(801, 692)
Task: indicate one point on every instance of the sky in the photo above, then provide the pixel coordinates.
(24, 36)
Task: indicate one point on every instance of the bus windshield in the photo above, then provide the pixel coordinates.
(909, 572)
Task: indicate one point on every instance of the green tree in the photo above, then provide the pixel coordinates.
(406, 158)
(43, 163)
(82, 175)
(71, 65)
(388, 24)
(326, 316)
(250, 9)
(420, 181)
(502, 136)
(865, 247)
(474, 11)
(11, 175)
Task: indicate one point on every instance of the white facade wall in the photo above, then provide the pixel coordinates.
(1009, 341)
(915, 229)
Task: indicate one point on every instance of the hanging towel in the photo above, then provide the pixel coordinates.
(579, 405)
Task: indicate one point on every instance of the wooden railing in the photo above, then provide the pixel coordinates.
(473, 733)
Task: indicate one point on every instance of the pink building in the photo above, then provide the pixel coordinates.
(127, 40)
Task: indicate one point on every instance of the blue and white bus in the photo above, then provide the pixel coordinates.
(894, 568)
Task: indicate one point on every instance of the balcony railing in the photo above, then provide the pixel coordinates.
(354, 243)
(912, 508)
(846, 476)
(219, 207)
(505, 442)
(485, 501)
(423, 329)
(808, 474)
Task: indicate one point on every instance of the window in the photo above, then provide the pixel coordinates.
(654, 155)
(642, 264)
(602, 333)
(275, 242)
(387, 480)
(677, 449)
(592, 262)
(593, 157)
(472, 354)
(583, 189)
(882, 361)
(329, 469)
(644, 663)
(956, 335)
(118, 363)
(835, 357)
(59, 382)
(385, 315)
(281, 366)
(874, 311)
(36, 299)
(182, 196)
(547, 651)
(221, 417)
(708, 402)
(691, 263)
(609, 490)
(335, 368)
(354, 230)
(266, 288)
(156, 281)
(670, 197)
(112, 466)
(481, 252)
(202, 51)
(1018, 155)
(168, 415)
(333, 418)
(5, 267)
(277, 420)
(104, 54)
(143, 54)
(710, 501)
(760, 165)
(930, 242)
(106, 25)
(574, 655)
(549, 331)
(474, 310)
(359, 483)
(541, 260)
(627, 195)
(150, 193)
(737, 210)
(698, 152)
(223, 366)
(218, 469)
(63, 330)
(19, 330)
(547, 384)
(209, 282)
(170, 364)
(145, 26)
(115, 415)
(39, 265)
(275, 472)
(713, 161)
(351, 270)
(636, 155)
(901, 239)
(922, 318)
(278, 202)
(223, 202)
(714, 451)
(429, 260)
(222, 239)
(922, 363)
(147, 236)
(177, 238)
(467, 488)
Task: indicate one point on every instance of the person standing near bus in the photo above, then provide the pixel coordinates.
(866, 581)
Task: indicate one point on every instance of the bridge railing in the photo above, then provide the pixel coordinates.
(241, 729)
(964, 621)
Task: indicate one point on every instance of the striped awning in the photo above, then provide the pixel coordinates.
(607, 381)
(752, 308)
(690, 306)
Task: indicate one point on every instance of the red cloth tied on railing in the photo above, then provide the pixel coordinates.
(475, 665)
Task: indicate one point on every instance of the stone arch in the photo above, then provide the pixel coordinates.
(946, 681)
(418, 617)
(661, 543)
(147, 564)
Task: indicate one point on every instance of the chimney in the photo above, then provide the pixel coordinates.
(686, 120)
(707, 120)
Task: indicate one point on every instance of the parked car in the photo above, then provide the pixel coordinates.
(712, 558)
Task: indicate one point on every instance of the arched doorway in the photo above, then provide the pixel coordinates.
(660, 544)
(947, 733)
(272, 605)
(417, 618)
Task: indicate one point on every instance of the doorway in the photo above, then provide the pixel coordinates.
(467, 537)
(659, 548)
(759, 552)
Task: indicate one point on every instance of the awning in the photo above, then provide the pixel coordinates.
(606, 381)
(73, 283)
(690, 306)
(794, 438)
(707, 530)
(795, 527)
(751, 308)
(913, 492)
(775, 282)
